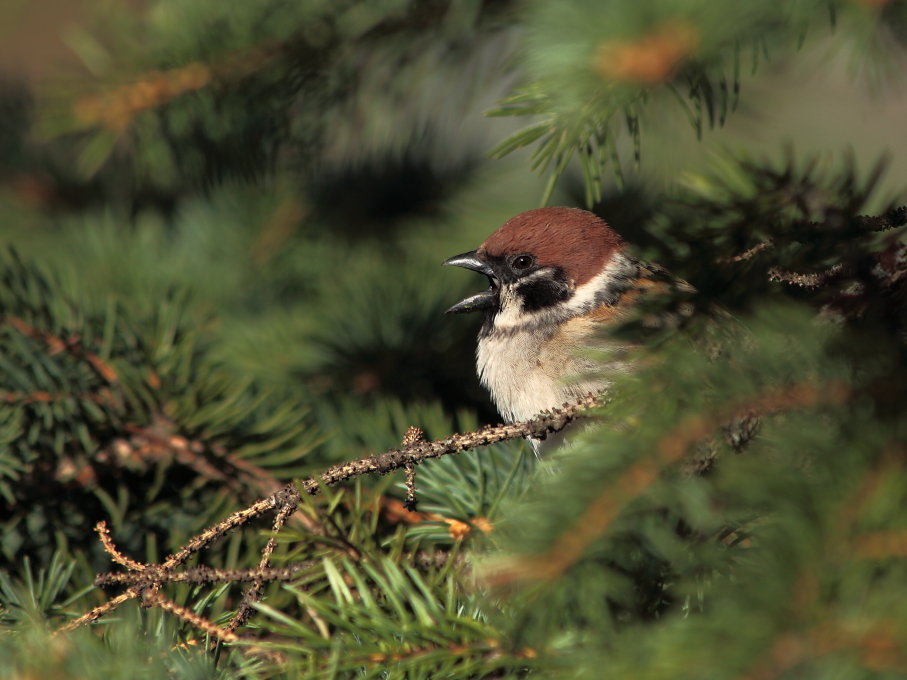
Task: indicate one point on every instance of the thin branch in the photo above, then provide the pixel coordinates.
(892, 220)
(287, 498)
(117, 108)
(539, 427)
(194, 545)
(281, 498)
(97, 612)
(111, 549)
(809, 280)
(204, 576)
(750, 252)
(410, 502)
(155, 599)
(412, 436)
(253, 594)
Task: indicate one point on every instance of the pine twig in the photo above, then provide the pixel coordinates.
(547, 422)
(155, 599)
(287, 499)
(72, 346)
(194, 545)
(204, 575)
(809, 280)
(410, 502)
(412, 436)
(117, 108)
(111, 549)
(253, 594)
(893, 219)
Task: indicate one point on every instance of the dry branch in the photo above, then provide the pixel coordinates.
(203, 575)
(541, 426)
(155, 599)
(146, 579)
(253, 594)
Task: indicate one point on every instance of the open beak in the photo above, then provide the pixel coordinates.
(484, 300)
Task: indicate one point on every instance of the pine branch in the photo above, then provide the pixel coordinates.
(253, 594)
(72, 345)
(286, 501)
(671, 448)
(204, 576)
(151, 598)
(412, 436)
(893, 219)
(286, 496)
(117, 108)
(111, 549)
(539, 427)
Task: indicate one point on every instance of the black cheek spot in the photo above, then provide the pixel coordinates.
(543, 293)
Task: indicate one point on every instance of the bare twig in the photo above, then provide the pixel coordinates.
(893, 219)
(155, 599)
(808, 280)
(194, 544)
(410, 502)
(539, 427)
(412, 436)
(111, 549)
(277, 500)
(151, 576)
(117, 108)
(750, 252)
(203, 576)
(253, 594)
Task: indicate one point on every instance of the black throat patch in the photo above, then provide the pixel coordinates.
(544, 291)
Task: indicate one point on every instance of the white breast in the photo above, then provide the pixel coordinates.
(526, 376)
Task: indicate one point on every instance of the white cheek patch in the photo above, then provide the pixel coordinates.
(539, 274)
(585, 297)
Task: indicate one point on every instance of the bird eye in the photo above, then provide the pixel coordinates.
(522, 262)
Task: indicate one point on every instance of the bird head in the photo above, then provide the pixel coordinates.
(542, 264)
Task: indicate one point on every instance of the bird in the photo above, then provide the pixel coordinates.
(559, 279)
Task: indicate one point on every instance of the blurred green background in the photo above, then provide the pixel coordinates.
(222, 226)
(306, 201)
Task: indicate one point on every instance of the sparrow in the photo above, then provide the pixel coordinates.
(559, 278)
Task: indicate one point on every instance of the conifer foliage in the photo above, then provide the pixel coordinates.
(229, 398)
